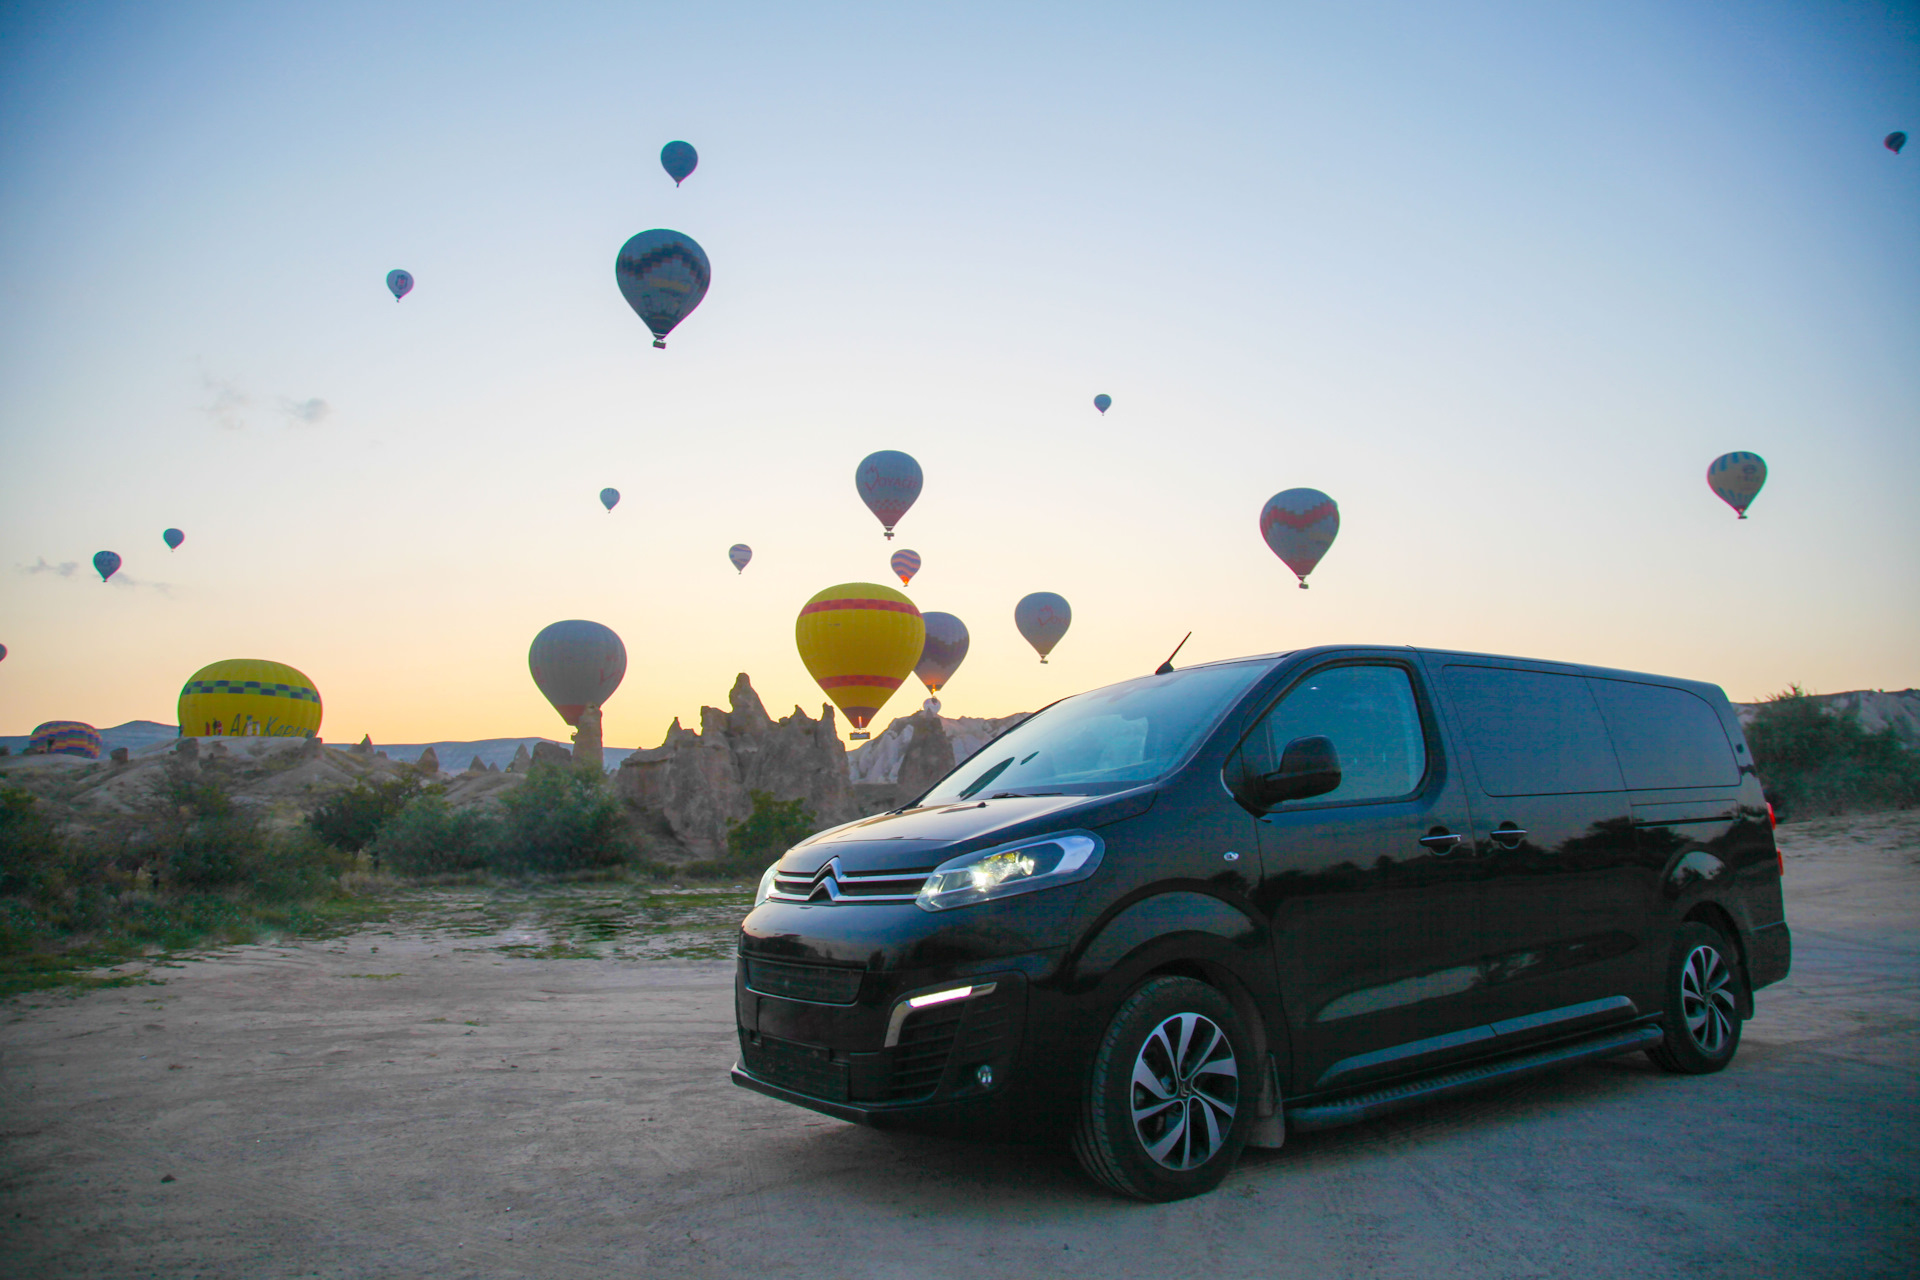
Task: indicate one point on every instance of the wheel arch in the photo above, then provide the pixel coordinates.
(1721, 921)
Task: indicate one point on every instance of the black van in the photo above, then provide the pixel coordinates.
(1180, 914)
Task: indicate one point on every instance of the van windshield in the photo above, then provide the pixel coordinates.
(1120, 735)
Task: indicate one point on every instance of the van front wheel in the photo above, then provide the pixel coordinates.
(1703, 1003)
(1170, 1096)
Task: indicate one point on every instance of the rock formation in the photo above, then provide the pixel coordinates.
(586, 739)
(366, 747)
(686, 791)
(550, 753)
(428, 763)
(521, 760)
(477, 766)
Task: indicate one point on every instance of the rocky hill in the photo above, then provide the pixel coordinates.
(1879, 709)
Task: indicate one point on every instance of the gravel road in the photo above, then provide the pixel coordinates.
(440, 1107)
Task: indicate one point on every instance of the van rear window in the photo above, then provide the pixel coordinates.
(1666, 737)
(1532, 733)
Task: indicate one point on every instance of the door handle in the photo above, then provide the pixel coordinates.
(1442, 841)
(1506, 834)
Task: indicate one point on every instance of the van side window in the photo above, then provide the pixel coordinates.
(1373, 721)
(1532, 733)
(1666, 737)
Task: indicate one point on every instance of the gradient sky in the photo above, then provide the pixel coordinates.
(1501, 278)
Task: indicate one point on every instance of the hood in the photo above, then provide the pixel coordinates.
(920, 839)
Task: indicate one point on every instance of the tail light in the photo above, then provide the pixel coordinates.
(1773, 824)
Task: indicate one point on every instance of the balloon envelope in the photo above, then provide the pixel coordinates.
(1103, 402)
(1895, 141)
(905, 564)
(65, 738)
(106, 564)
(249, 698)
(944, 651)
(889, 482)
(1299, 525)
(400, 283)
(1737, 478)
(609, 498)
(859, 640)
(1043, 618)
(577, 665)
(662, 275)
(679, 159)
(3, 653)
(173, 538)
(740, 553)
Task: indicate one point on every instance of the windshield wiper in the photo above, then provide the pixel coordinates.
(1022, 795)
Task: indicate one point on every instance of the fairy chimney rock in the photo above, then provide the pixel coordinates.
(429, 762)
(520, 761)
(586, 739)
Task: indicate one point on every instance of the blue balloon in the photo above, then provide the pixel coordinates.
(400, 283)
(663, 275)
(1103, 402)
(679, 159)
(106, 564)
(609, 498)
(173, 538)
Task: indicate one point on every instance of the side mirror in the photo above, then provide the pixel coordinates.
(1308, 767)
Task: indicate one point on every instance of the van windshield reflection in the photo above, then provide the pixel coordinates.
(1121, 735)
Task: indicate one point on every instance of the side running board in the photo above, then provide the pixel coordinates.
(1365, 1106)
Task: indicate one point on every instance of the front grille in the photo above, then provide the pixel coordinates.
(833, 883)
(819, 983)
(803, 1068)
(926, 1042)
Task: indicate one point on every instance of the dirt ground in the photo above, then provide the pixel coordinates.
(494, 1092)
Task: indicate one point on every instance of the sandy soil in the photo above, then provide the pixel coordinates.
(437, 1101)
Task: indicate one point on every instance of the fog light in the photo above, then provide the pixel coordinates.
(984, 1074)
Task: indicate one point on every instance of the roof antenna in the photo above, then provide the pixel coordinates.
(1167, 666)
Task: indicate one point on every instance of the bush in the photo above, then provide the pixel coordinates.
(350, 819)
(760, 838)
(429, 838)
(1816, 761)
(29, 845)
(563, 818)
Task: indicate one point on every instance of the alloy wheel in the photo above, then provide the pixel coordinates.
(1186, 1088)
(1706, 1000)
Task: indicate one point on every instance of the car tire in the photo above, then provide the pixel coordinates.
(1170, 1095)
(1702, 992)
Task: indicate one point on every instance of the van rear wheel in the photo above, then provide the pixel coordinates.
(1170, 1096)
(1703, 1003)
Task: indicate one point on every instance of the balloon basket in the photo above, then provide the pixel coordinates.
(1303, 586)
(858, 737)
(1743, 515)
(660, 343)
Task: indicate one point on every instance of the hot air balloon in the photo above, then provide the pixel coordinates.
(859, 640)
(173, 538)
(577, 665)
(249, 698)
(1043, 618)
(740, 553)
(905, 564)
(65, 738)
(662, 275)
(1299, 525)
(609, 498)
(1895, 141)
(400, 283)
(679, 159)
(1103, 402)
(888, 482)
(3, 653)
(944, 651)
(1737, 478)
(106, 564)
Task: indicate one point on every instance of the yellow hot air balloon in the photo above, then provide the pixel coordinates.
(248, 698)
(860, 640)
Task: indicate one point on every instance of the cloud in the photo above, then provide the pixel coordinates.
(68, 568)
(227, 404)
(309, 411)
(64, 569)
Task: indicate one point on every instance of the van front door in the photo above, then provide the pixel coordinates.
(1369, 887)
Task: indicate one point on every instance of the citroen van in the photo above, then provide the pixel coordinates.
(1185, 913)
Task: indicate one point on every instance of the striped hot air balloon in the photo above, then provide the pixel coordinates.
(1299, 525)
(249, 697)
(65, 738)
(905, 564)
(663, 275)
(859, 640)
(740, 553)
(1736, 478)
(945, 650)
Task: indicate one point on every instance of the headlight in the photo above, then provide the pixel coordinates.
(766, 883)
(1043, 863)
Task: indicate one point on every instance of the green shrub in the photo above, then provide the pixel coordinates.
(30, 847)
(1817, 761)
(760, 838)
(429, 838)
(350, 819)
(563, 818)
